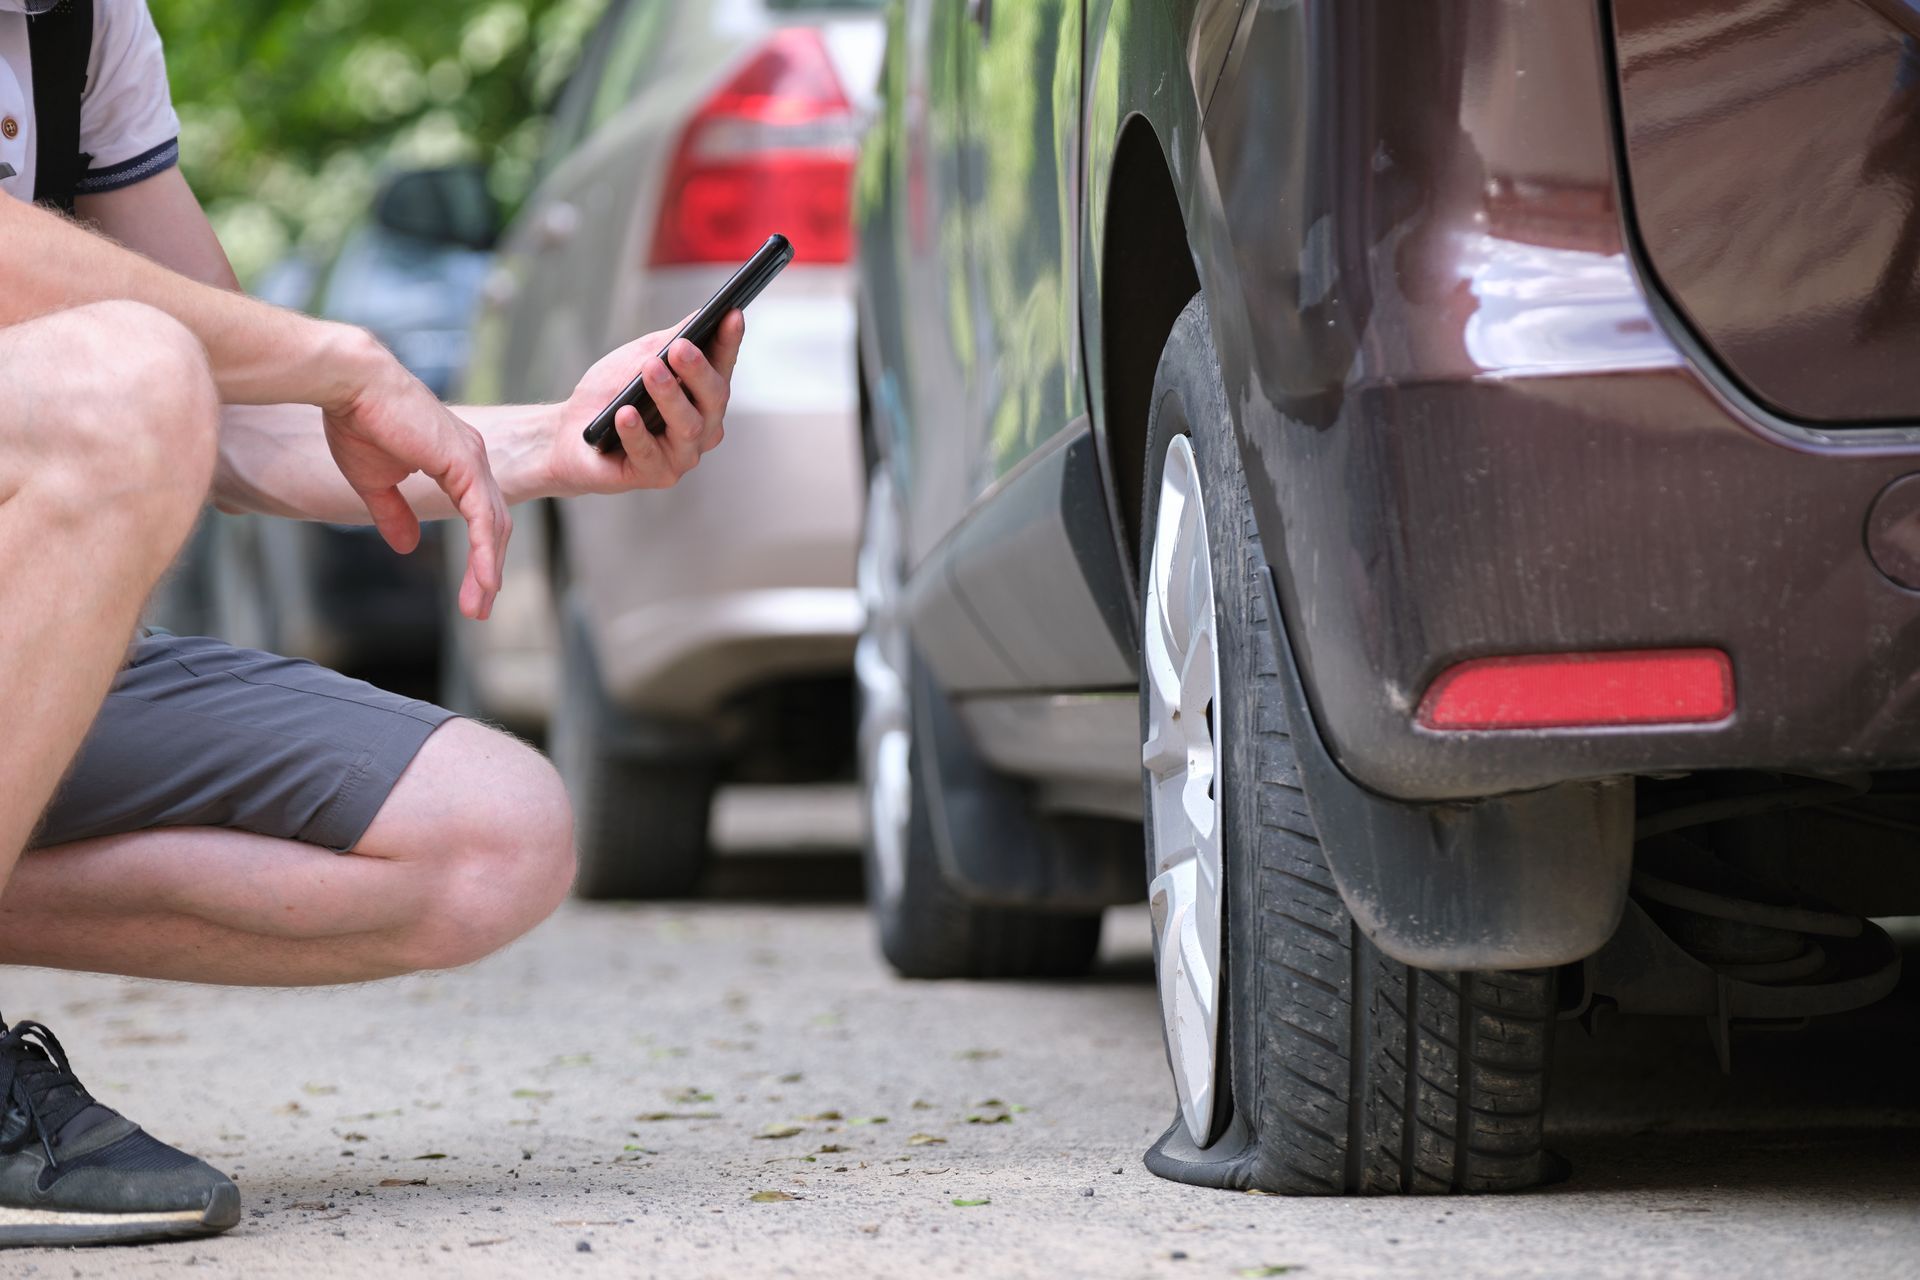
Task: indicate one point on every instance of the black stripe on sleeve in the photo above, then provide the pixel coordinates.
(128, 172)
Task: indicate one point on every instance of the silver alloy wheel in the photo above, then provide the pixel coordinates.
(880, 666)
(1181, 756)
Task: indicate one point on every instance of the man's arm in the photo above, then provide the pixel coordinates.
(160, 218)
(259, 354)
(273, 458)
(381, 425)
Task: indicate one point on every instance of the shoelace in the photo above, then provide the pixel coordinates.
(35, 1074)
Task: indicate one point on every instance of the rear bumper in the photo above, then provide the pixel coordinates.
(740, 574)
(1606, 511)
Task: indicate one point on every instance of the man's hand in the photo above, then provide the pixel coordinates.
(385, 426)
(694, 409)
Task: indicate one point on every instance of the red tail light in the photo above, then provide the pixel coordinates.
(772, 150)
(1581, 690)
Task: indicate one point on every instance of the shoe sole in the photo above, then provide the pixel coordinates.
(59, 1228)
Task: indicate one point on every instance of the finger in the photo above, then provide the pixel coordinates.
(704, 383)
(393, 518)
(685, 426)
(472, 597)
(653, 343)
(634, 438)
(470, 484)
(477, 508)
(724, 350)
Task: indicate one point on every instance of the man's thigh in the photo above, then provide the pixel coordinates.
(197, 733)
(107, 428)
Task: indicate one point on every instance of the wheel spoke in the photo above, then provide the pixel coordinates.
(1162, 661)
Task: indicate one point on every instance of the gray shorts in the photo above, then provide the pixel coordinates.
(197, 733)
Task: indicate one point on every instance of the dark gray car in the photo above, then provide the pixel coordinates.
(1289, 451)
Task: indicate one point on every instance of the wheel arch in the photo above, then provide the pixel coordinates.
(1147, 277)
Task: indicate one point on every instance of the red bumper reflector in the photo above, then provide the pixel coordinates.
(1579, 690)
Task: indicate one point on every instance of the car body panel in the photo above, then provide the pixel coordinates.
(1772, 151)
(968, 195)
(1018, 163)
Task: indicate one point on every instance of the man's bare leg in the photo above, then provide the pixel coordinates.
(473, 847)
(108, 422)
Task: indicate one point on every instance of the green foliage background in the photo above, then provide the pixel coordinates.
(290, 109)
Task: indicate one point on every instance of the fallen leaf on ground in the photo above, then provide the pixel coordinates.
(868, 1120)
(779, 1131)
(290, 1109)
(825, 1115)
(920, 1104)
(354, 1137)
(1002, 1118)
(1286, 1269)
(831, 1149)
(432, 1155)
(692, 1093)
(481, 1244)
(321, 1090)
(311, 1206)
(977, 1055)
(792, 1077)
(538, 1095)
(677, 1115)
(970, 1204)
(403, 1182)
(769, 1197)
(924, 1140)
(574, 1060)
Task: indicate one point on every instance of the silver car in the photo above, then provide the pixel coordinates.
(669, 641)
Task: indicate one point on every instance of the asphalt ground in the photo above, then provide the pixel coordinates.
(738, 1087)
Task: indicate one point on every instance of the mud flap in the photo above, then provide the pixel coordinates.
(1525, 881)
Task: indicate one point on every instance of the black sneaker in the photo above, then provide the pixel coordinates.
(75, 1172)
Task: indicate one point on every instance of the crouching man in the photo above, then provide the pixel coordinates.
(183, 809)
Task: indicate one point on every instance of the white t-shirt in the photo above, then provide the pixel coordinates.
(127, 122)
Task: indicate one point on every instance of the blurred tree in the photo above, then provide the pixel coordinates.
(290, 109)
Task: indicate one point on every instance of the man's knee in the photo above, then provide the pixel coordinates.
(506, 861)
(130, 394)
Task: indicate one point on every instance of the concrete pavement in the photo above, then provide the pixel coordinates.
(739, 1088)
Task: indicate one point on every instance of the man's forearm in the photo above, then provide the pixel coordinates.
(259, 354)
(274, 461)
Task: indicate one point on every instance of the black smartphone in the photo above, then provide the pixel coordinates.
(734, 295)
